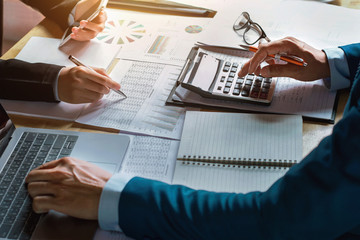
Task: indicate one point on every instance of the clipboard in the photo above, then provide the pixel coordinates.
(190, 99)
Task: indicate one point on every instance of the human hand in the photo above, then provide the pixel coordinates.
(317, 65)
(83, 85)
(67, 185)
(88, 29)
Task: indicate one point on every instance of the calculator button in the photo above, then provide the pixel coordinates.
(244, 93)
(263, 95)
(250, 77)
(257, 83)
(228, 84)
(230, 79)
(264, 90)
(248, 82)
(240, 80)
(236, 92)
(232, 74)
(222, 79)
(228, 64)
(235, 65)
(226, 90)
(226, 69)
(267, 80)
(259, 78)
(233, 69)
(254, 94)
(238, 86)
(219, 88)
(266, 85)
(247, 88)
(256, 89)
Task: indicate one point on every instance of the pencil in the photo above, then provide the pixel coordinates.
(78, 63)
(290, 59)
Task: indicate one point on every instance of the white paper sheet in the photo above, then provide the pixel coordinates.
(91, 53)
(151, 157)
(152, 37)
(147, 86)
(320, 25)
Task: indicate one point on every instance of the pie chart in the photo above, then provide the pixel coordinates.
(121, 32)
(193, 29)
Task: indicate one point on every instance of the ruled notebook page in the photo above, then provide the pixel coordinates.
(217, 137)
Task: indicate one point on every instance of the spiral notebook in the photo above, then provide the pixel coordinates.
(237, 152)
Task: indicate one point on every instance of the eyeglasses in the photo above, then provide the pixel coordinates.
(253, 31)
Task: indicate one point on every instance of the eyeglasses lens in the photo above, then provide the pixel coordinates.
(242, 21)
(252, 34)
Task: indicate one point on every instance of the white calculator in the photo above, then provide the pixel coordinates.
(212, 77)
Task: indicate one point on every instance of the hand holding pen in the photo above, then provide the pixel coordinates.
(303, 62)
(111, 84)
(83, 84)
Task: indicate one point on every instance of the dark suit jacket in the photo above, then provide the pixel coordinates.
(27, 81)
(24, 81)
(57, 10)
(319, 198)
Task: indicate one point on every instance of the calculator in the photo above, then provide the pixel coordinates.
(213, 77)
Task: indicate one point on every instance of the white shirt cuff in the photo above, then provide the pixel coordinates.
(339, 69)
(55, 86)
(109, 202)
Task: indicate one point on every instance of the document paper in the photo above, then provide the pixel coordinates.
(263, 138)
(147, 86)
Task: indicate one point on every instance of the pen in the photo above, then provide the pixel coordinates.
(290, 59)
(78, 63)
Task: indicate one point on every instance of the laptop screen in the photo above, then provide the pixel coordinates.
(6, 129)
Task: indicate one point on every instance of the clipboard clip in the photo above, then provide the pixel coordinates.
(188, 64)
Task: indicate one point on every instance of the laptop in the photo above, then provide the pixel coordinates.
(22, 149)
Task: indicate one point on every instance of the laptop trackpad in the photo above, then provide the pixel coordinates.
(105, 150)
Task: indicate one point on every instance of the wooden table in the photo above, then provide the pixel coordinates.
(313, 132)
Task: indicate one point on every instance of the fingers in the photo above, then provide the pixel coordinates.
(89, 29)
(40, 175)
(42, 188)
(83, 85)
(102, 78)
(43, 204)
(97, 76)
(288, 45)
(281, 70)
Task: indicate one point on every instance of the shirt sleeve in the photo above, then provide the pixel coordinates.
(55, 87)
(109, 202)
(339, 70)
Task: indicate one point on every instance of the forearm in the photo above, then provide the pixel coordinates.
(352, 53)
(157, 210)
(317, 199)
(27, 81)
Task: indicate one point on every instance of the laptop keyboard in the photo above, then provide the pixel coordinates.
(17, 220)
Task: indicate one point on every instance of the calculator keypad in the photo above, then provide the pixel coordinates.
(251, 87)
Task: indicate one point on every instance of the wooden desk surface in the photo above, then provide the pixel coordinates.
(313, 132)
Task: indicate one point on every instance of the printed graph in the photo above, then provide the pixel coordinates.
(159, 45)
(193, 29)
(121, 32)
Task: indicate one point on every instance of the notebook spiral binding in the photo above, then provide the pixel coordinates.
(237, 162)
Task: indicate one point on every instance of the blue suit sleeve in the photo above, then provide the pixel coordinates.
(352, 53)
(317, 199)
